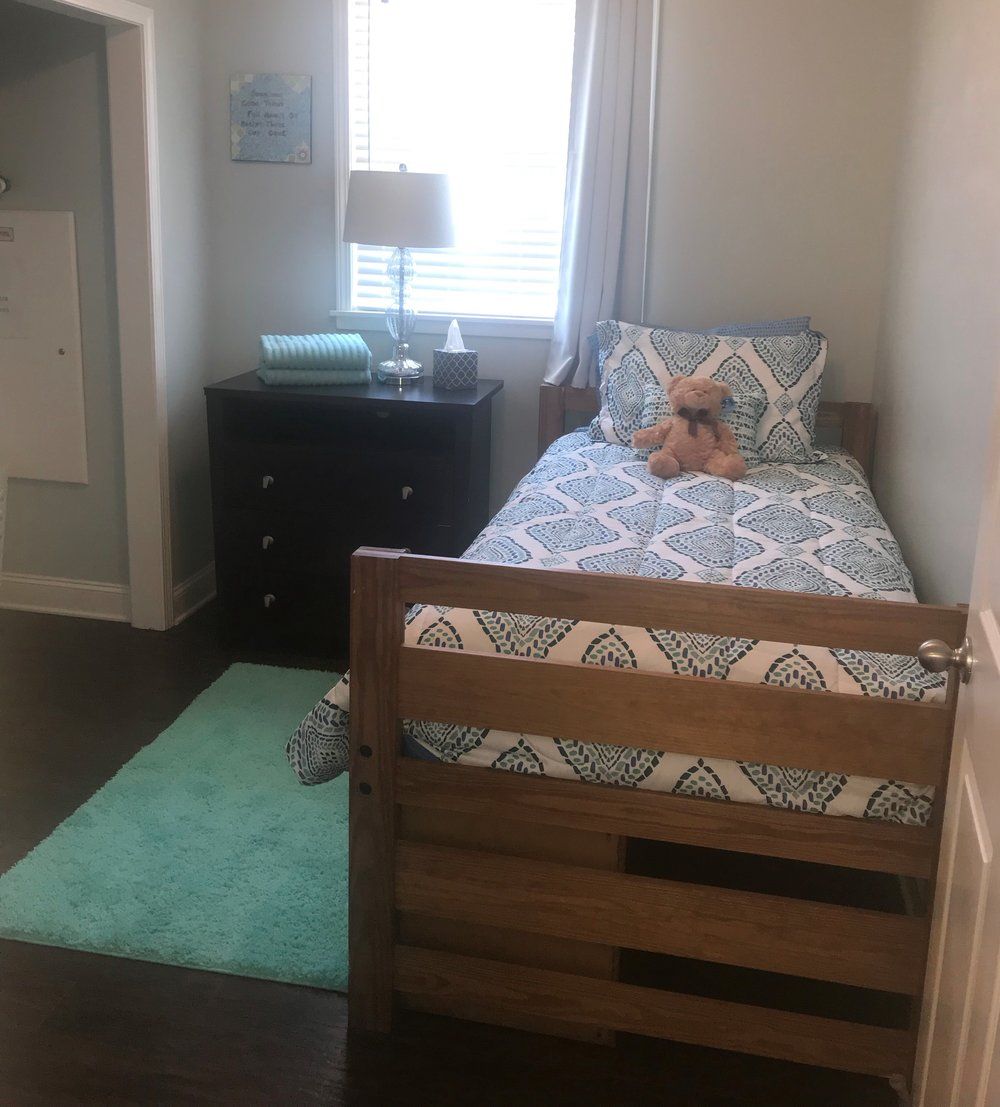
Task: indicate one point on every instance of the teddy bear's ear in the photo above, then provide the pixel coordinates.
(675, 384)
(724, 390)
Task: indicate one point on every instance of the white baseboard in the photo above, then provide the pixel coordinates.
(194, 593)
(86, 599)
(93, 599)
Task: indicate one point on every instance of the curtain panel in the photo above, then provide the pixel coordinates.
(603, 262)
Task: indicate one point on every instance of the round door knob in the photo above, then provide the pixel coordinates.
(269, 599)
(937, 657)
(267, 481)
(266, 542)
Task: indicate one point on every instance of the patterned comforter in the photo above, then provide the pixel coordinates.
(594, 506)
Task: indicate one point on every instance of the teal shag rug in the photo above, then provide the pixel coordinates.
(204, 850)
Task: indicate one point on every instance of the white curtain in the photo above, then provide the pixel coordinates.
(603, 267)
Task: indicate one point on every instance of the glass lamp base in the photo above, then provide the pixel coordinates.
(399, 371)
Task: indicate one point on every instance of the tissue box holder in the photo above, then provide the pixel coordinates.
(454, 369)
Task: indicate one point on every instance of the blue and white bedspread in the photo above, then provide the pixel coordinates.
(593, 506)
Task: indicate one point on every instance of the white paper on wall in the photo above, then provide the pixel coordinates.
(42, 418)
(11, 290)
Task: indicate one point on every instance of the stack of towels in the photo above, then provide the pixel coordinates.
(289, 359)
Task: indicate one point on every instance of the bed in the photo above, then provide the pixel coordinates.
(592, 506)
(509, 896)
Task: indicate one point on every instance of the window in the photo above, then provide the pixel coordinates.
(479, 90)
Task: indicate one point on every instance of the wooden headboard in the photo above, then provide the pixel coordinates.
(850, 425)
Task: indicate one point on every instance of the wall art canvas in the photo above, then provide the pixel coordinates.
(271, 117)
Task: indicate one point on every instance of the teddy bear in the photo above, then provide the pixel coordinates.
(694, 438)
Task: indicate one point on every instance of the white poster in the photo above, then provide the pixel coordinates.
(11, 291)
(43, 433)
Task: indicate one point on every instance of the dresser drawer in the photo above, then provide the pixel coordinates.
(276, 543)
(367, 429)
(287, 542)
(408, 495)
(305, 612)
(291, 478)
(277, 476)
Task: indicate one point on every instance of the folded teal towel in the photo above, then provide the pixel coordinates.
(314, 351)
(293, 377)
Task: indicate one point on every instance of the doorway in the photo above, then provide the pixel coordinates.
(118, 229)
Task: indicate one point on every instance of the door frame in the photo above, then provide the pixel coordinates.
(135, 184)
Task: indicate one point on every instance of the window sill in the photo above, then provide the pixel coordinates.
(473, 326)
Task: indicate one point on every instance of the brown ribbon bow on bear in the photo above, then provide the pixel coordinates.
(700, 416)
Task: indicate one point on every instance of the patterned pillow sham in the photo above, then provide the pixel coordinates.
(763, 328)
(782, 373)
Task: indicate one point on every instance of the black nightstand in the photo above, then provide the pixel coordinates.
(301, 477)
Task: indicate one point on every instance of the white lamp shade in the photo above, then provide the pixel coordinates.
(398, 209)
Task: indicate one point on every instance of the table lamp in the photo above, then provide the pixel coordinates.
(401, 210)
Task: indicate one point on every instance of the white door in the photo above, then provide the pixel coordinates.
(957, 1064)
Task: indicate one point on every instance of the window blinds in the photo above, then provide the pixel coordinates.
(478, 89)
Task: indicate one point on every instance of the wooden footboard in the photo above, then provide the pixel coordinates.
(446, 916)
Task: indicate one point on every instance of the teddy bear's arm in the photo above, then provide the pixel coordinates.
(649, 436)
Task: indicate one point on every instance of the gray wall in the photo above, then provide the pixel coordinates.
(54, 146)
(941, 329)
(777, 140)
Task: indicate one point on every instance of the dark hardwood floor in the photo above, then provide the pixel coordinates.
(77, 700)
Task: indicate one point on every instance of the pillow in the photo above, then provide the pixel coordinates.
(765, 328)
(783, 373)
(739, 416)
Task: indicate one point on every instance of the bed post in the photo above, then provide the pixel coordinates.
(551, 415)
(858, 433)
(376, 634)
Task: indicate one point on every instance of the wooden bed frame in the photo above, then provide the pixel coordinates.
(506, 899)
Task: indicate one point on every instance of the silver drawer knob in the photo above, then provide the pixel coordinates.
(267, 481)
(406, 492)
(266, 542)
(269, 599)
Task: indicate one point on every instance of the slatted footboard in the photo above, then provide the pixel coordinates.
(448, 916)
